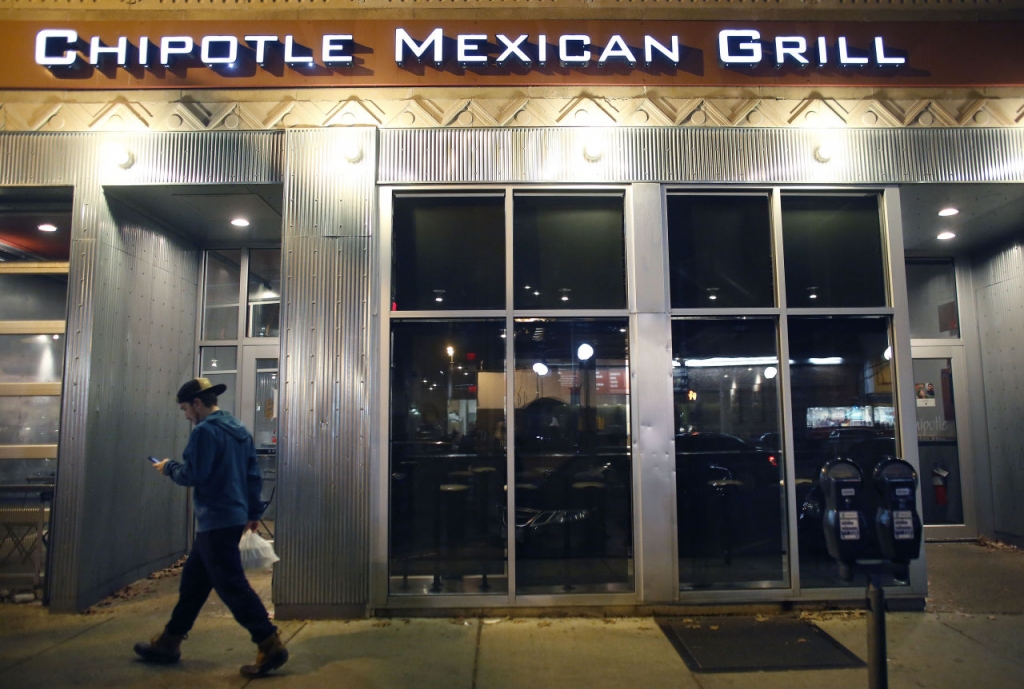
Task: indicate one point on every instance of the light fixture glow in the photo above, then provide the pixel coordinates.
(47, 227)
(540, 369)
(887, 354)
(717, 361)
(946, 212)
(823, 153)
(119, 156)
(825, 360)
(584, 352)
(770, 372)
(944, 236)
(353, 152)
(240, 222)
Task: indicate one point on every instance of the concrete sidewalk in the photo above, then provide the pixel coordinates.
(972, 635)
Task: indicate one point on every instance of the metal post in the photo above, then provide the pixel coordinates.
(878, 675)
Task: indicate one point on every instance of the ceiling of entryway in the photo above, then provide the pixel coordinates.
(989, 214)
(202, 213)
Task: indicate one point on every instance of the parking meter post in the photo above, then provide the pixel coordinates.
(878, 671)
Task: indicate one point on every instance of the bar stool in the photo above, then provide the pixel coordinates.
(724, 489)
(592, 497)
(483, 485)
(451, 511)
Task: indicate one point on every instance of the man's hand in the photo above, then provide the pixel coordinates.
(252, 526)
(159, 466)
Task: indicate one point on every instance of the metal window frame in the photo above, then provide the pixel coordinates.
(380, 574)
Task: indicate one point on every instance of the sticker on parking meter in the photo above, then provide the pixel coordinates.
(849, 526)
(903, 525)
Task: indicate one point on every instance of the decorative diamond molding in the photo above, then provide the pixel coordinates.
(256, 110)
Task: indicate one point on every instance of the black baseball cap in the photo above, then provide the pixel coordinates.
(197, 386)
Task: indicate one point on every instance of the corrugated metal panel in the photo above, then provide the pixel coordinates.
(322, 533)
(131, 334)
(200, 158)
(702, 155)
(130, 342)
(1000, 303)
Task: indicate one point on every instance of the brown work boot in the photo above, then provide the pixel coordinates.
(162, 648)
(271, 654)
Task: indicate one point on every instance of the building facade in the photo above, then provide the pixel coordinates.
(560, 311)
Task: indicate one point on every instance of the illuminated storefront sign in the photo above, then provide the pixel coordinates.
(59, 48)
(248, 54)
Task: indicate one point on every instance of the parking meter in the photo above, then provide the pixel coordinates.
(842, 484)
(897, 523)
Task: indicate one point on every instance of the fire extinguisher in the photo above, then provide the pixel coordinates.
(940, 477)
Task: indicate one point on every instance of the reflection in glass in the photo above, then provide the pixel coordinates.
(220, 303)
(573, 469)
(937, 448)
(264, 294)
(29, 420)
(31, 358)
(931, 291)
(842, 407)
(33, 297)
(569, 252)
(729, 469)
(706, 269)
(448, 467)
(449, 253)
(219, 364)
(833, 248)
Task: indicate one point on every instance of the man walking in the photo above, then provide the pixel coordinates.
(219, 463)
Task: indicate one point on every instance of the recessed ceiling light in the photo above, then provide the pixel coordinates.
(240, 222)
(945, 235)
(47, 227)
(946, 212)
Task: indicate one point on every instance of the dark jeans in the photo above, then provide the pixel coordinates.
(215, 565)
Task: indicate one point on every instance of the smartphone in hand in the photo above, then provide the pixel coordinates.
(153, 459)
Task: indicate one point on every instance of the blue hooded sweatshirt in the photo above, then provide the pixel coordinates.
(220, 463)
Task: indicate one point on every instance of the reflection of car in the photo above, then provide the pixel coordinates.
(705, 456)
(769, 441)
(841, 440)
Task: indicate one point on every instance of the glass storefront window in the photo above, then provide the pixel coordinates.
(28, 297)
(569, 252)
(707, 269)
(448, 460)
(931, 291)
(31, 358)
(573, 468)
(264, 293)
(833, 249)
(842, 391)
(729, 464)
(220, 305)
(220, 365)
(264, 428)
(449, 253)
(29, 420)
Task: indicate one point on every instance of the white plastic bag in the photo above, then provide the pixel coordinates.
(256, 552)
